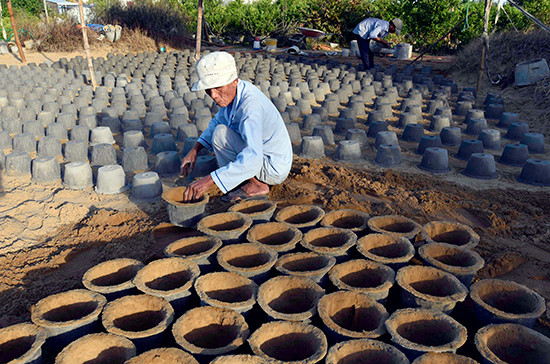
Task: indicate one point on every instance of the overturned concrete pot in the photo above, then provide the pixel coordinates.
(353, 220)
(308, 265)
(290, 298)
(170, 278)
(163, 356)
(498, 301)
(230, 227)
(330, 241)
(208, 331)
(289, 342)
(22, 343)
(240, 359)
(278, 236)
(462, 263)
(227, 290)
(184, 214)
(349, 314)
(365, 352)
(258, 210)
(416, 331)
(450, 232)
(512, 343)
(199, 249)
(428, 287)
(394, 251)
(97, 348)
(302, 217)
(253, 261)
(363, 276)
(112, 278)
(447, 358)
(140, 318)
(394, 225)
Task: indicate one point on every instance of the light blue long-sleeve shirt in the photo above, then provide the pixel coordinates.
(254, 117)
(371, 28)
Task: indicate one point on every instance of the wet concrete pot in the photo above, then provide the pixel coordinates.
(365, 352)
(289, 342)
(279, 236)
(290, 298)
(210, 331)
(416, 331)
(302, 217)
(240, 359)
(140, 318)
(395, 225)
(230, 227)
(171, 279)
(199, 249)
(353, 220)
(308, 265)
(112, 278)
(498, 301)
(22, 343)
(184, 214)
(94, 348)
(428, 287)
(363, 276)
(251, 260)
(258, 210)
(163, 356)
(329, 241)
(447, 358)
(393, 251)
(462, 263)
(348, 314)
(512, 343)
(449, 232)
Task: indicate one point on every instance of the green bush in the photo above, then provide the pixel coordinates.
(32, 7)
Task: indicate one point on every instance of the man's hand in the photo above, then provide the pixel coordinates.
(196, 189)
(188, 163)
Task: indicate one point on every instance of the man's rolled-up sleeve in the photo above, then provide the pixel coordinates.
(206, 136)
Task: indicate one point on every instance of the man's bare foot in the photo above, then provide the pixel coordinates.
(255, 187)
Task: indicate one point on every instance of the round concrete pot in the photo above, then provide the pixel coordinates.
(167, 163)
(413, 133)
(312, 147)
(395, 225)
(329, 241)
(163, 356)
(134, 159)
(258, 210)
(278, 236)
(450, 232)
(428, 287)
(112, 278)
(534, 142)
(416, 331)
(238, 359)
(308, 265)
(460, 262)
(511, 343)
(93, 348)
(302, 217)
(184, 214)
(447, 358)
(363, 276)
(46, 170)
(78, 175)
(394, 251)
(348, 314)
(22, 343)
(506, 119)
(170, 278)
(366, 352)
(251, 260)
(18, 164)
(103, 154)
(535, 172)
(451, 136)
(498, 301)
(141, 318)
(289, 298)
(210, 331)
(230, 227)
(146, 186)
(289, 342)
(199, 249)
(111, 179)
(227, 290)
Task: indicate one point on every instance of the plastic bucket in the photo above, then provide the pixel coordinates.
(271, 44)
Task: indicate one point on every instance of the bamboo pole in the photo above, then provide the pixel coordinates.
(15, 34)
(199, 31)
(4, 34)
(86, 44)
(485, 37)
(46, 11)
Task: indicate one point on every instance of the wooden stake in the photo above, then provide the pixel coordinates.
(46, 11)
(15, 34)
(199, 32)
(86, 44)
(485, 38)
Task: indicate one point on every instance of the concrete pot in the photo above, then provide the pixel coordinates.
(329, 241)
(450, 232)
(312, 147)
(22, 343)
(251, 260)
(46, 170)
(78, 175)
(395, 225)
(365, 351)
(535, 172)
(353, 220)
(112, 278)
(146, 186)
(302, 217)
(393, 251)
(238, 359)
(258, 210)
(199, 249)
(91, 348)
(448, 358)
(230, 227)
(184, 214)
(308, 265)
(111, 179)
(481, 166)
(163, 356)
(280, 237)
(435, 160)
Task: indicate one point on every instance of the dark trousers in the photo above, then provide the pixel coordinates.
(367, 56)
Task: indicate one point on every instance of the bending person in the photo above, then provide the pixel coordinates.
(247, 135)
(374, 29)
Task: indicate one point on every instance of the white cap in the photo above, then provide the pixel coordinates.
(214, 70)
(398, 25)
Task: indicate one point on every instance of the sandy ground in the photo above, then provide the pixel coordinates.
(53, 235)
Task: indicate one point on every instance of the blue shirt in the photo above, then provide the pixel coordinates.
(371, 28)
(254, 117)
